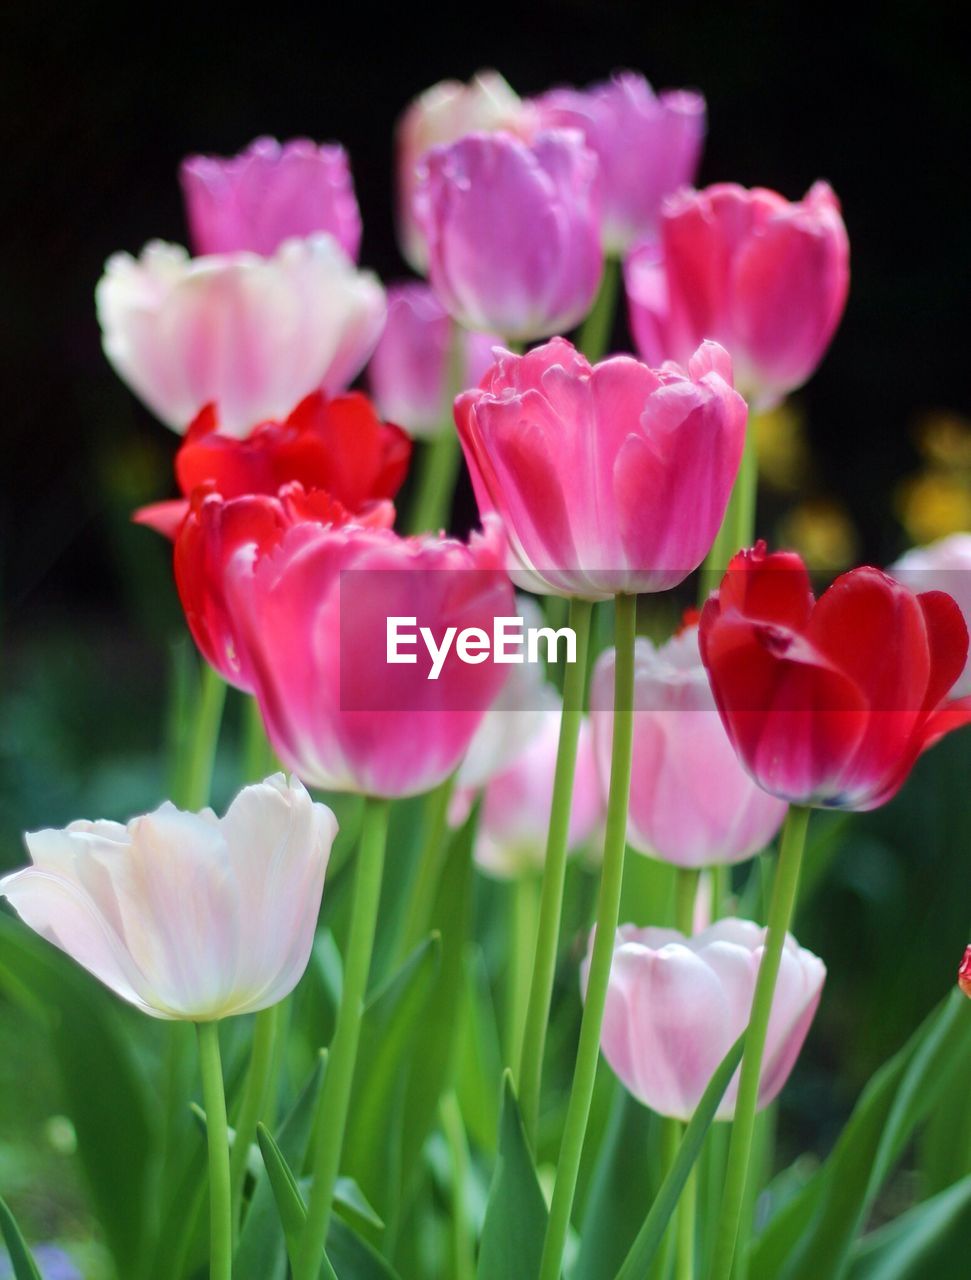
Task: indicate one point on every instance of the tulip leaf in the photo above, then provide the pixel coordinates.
(652, 1232)
(391, 1029)
(516, 1214)
(932, 1239)
(91, 1041)
(24, 1266)
(286, 1193)
(814, 1234)
(260, 1255)
(352, 1202)
(620, 1188)
(352, 1258)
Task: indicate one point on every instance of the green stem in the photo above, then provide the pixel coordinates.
(331, 1118)
(421, 894)
(554, 875)
(258, 758)
(462, 1240)
(195, 780)
(740, 1150)
(596, 331)
(217, 1132)
(588, 1051)
(685, 892)
(738, 526)
(253, 1107)
(525, 915)
(437, 468)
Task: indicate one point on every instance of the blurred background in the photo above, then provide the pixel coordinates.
(97, 108)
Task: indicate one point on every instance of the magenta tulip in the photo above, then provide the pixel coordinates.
(648, 145)
(513, 231)
(611, 478)
(268, 193)
(419, 355)
(764, 277)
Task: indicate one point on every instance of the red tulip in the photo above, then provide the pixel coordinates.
(829, 702)
(211, 533)
(339, 445)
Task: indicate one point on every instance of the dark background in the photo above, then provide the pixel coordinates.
(100, 107)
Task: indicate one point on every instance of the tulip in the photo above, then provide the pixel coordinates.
(211, 533)
(964, 972)
(185, 915)
(314, 648)
(513, 231)
(764, 277)
(676, 1005)
(691, 802)
(269, 193)
(442, 114)
(648, 145)
(829, 703)
(415, 363)
(251, 335)
(338, 445)
(517, 802)
(611, 478)
(944, 565)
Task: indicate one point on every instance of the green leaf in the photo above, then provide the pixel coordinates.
(814, 1234)
(352, 1258)
(516, 1214)
(620, 1188)
(480, 1069)
(391, 1030)
(352, 1202)
(260, 1255)
(651, 1233)
(289, 1202)
(104, 1092)
(24, 1266)
(932, 1239)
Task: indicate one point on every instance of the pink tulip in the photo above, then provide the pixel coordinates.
(251, 335)
(443, 114)
(186, 915)
(608, 479)
(676, 1005)
(416, 362)
(648, 145)
(517, 802)
(268, 193)
(513, 231)
(691, 802)
(944, 565)
(764, 277)
(311, 620)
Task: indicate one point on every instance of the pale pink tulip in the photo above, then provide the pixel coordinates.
(944, 565)
(609, 479)
(268, 193)
(251, 335)
(691, 802)
(765, 277)
(676, 1005)
(186, 915)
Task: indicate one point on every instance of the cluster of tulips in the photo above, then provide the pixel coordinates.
(598, 481)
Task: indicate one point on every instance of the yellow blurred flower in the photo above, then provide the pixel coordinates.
(783, 450)
(821, 530)
(933, 504)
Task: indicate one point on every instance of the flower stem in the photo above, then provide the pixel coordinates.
(421, 894)
(437, 469)
(522, 944)
(597, 329)
(463, 1256)
(258, 759)
(194, 772)
(615, 840)
(554, 875)
(256, 1092)
(331, 1118)
(738, 526)
(217, 1131)
(685, 892)
(781, 908)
